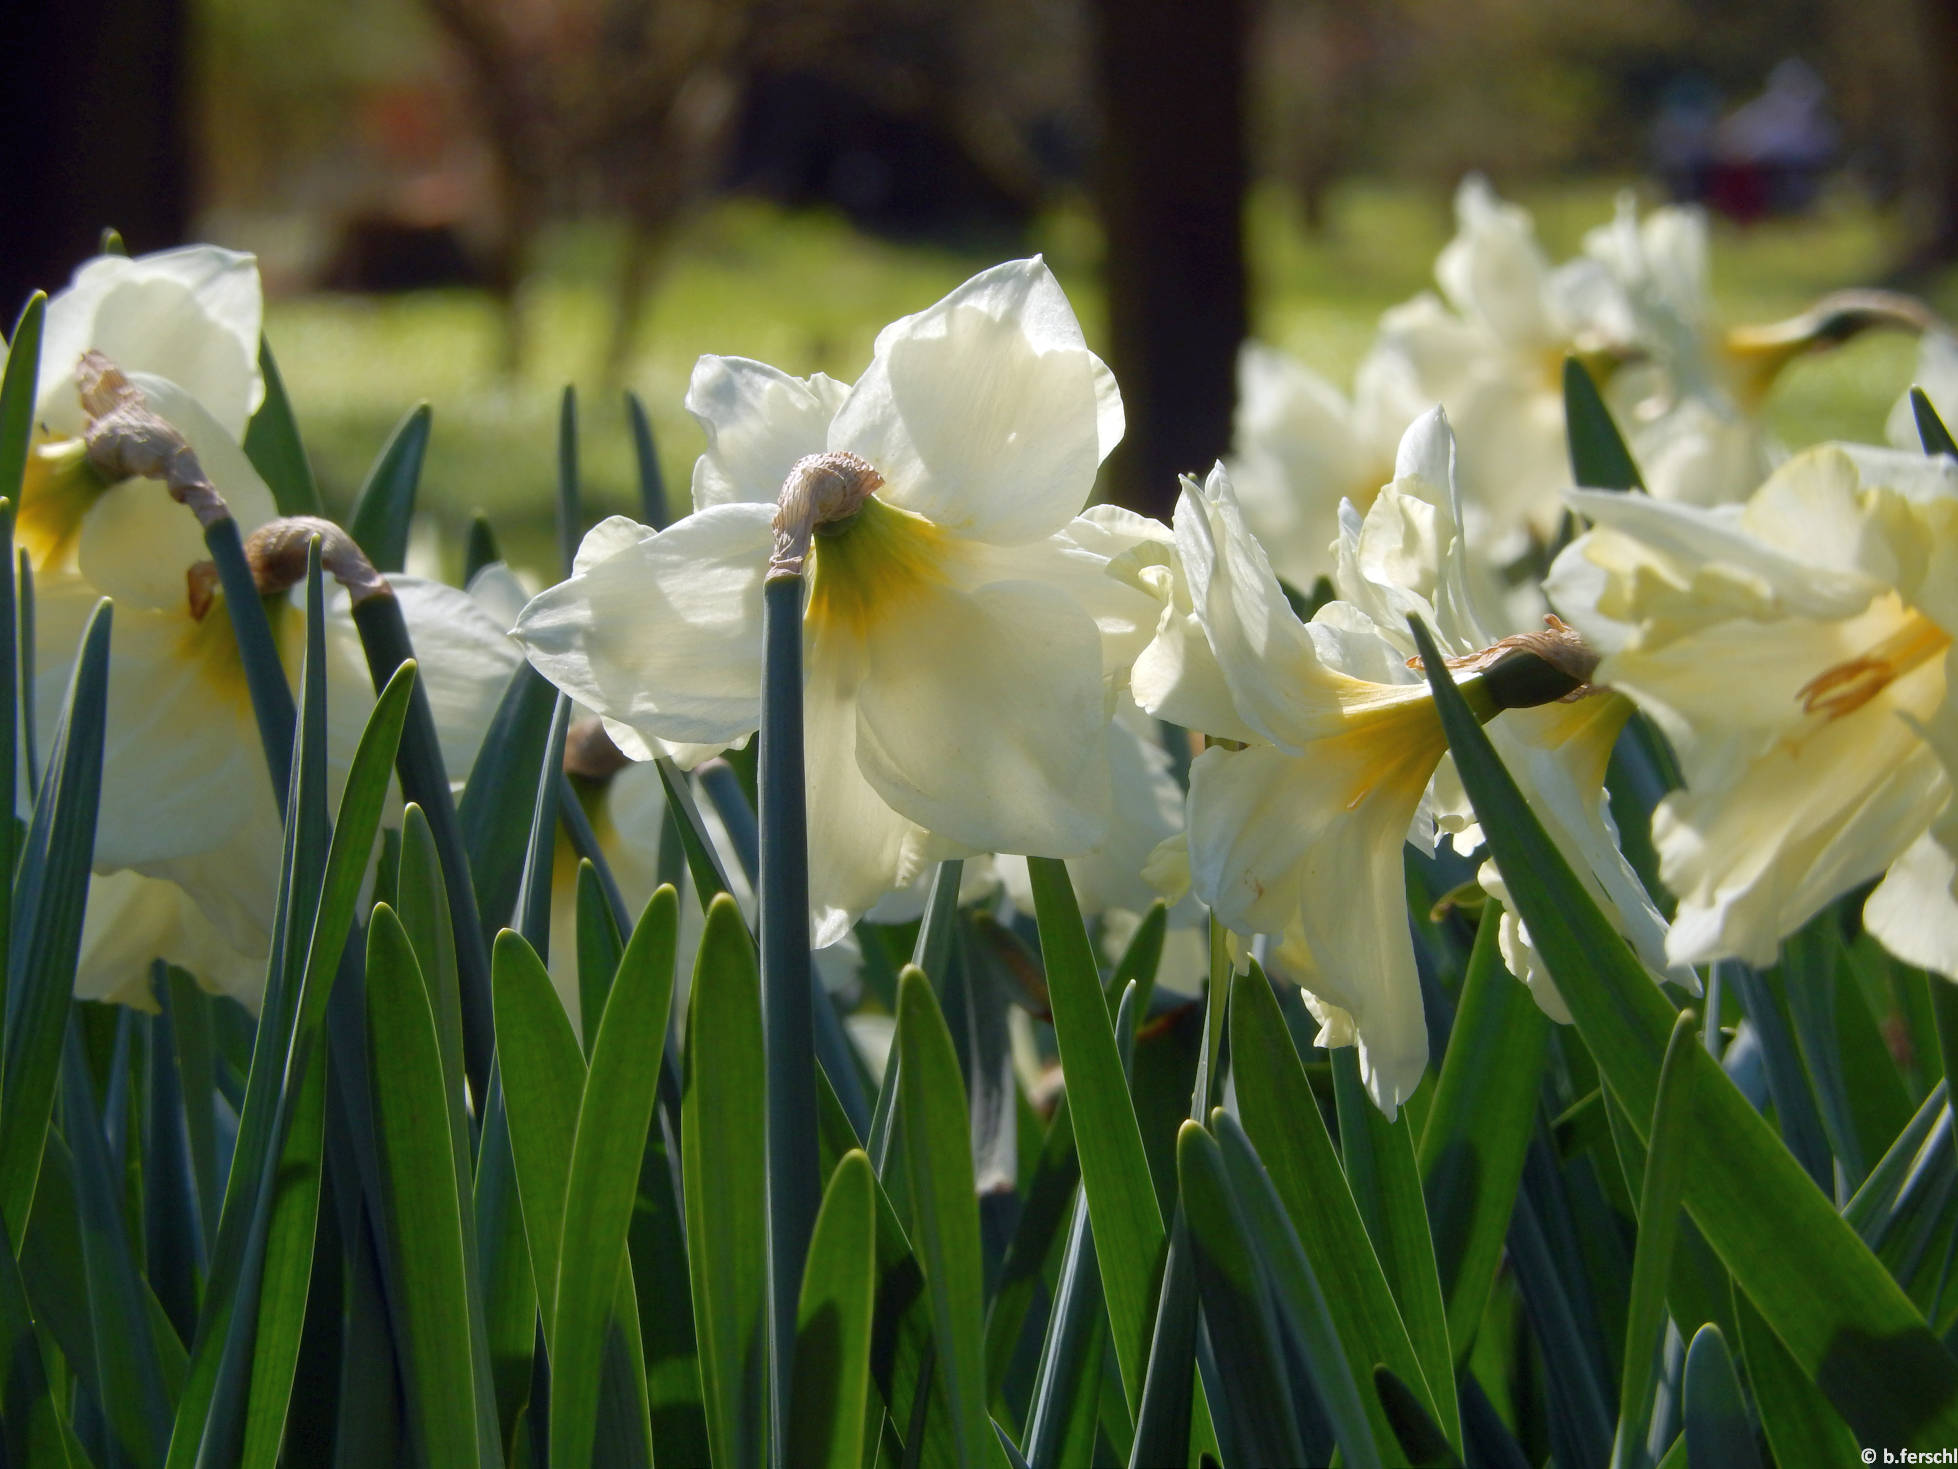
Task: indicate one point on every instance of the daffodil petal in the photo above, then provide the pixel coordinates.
(857, 844)
(981, 717)
(1913, 914)
(758, 420)
(665, 633)
(191, 315)
(985, 413)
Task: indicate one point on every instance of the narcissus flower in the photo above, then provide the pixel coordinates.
(1302, 832)
(1795, 650)
(186, 801)
(1406, 558)
(961, 645)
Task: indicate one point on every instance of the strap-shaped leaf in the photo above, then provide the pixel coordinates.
(422, 1208)
(1931, 430)
(833, 1321)
(1301, 1304)
(1257, 1413)
(1478, 1129)
(1281, 1116)
(945, 1215)
(1658, 1220)
(1599, 459)
(1718, 1429)
(386, 502)
(543, 1074)
(1128, 1222)
(1386, 1183)
(49, 896)
(1861, 1341)
(725, 1162)
(273, 446)
(128, 1368)
(645, 458)
(613, 1117)
(1061, 1418)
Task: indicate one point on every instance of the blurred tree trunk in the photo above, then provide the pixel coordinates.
(1938, 157)
(94, 131)
(1172, 170)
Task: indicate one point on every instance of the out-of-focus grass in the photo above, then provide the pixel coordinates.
(806, 293)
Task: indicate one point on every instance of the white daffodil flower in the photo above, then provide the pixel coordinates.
(1407, 557)
(1302, 831)
(961, 646)
(1691, 436)
(191, 315)
(1794, 650)
(1491, 349)
(1299, 447)
(185, 796)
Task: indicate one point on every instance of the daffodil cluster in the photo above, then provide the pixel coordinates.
(995, 669)
(1490, 345)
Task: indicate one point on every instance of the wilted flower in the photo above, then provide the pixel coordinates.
(1794, 650)
(961, 647)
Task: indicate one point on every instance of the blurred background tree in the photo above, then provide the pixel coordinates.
(500, 149)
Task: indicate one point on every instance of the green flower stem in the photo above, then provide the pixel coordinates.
(788, 1021)
(425, 781)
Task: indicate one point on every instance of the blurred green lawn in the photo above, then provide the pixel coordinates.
(805, 292)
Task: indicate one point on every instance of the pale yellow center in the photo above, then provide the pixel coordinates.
(868, 567)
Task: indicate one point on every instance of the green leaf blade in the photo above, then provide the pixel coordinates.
(386, 502)
(1862, 1341)
(613, 1118)
(1128, 1224)
(422, 1205)
(1478, 1129)
(833, 1323)
(724, 1159)
(945, 1211)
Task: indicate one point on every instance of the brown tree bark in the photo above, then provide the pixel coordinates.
(1937, 245)
(1170, 77)
(94, 132)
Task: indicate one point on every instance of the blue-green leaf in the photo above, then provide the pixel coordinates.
(1719, 1434)
(1282, 1118)
(272, 444)
(1237, 1309)
(1128, 1223)
(1599, 459)
(386, 503)
(1931, 430)
(1386, 1184)
(1478, 1129)
(1658, 1215)
(49, 895)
